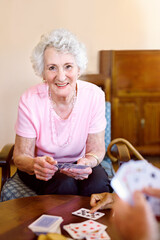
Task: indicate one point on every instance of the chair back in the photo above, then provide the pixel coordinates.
(106, 163)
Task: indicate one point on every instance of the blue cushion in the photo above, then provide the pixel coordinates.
(106, 163)
(15, 188)
(108, 126)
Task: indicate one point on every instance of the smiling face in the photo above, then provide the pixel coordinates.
(60, 72)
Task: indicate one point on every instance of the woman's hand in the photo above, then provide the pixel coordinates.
(78, 174)
(101, 201)
(44, 167)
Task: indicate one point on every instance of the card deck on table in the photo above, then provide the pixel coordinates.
(83, 212)
(46, 223)
(88, 229)
(70, 165)
(135, 175)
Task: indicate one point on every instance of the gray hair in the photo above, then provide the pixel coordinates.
(63, 41)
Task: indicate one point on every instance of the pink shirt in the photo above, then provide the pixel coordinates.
(64, 140)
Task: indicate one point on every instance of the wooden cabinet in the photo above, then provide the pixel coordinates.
(135, 96)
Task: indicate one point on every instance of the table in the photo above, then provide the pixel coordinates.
(17, 214)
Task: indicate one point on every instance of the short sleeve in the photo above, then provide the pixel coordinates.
(25, 125)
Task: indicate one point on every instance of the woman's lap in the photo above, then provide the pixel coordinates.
(97, 182)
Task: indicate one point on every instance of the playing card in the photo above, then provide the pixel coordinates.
(97, 236)
(153, 176)
(84, 229)
(70, 165)
(73, 232)
(119, 182)
(125, 181)
(135, 175)
(83, 212)
(137, 179)
(153, 180)
(88, 227)
(46, 223)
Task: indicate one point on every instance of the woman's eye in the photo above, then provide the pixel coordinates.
(68, 66)
(52, 68)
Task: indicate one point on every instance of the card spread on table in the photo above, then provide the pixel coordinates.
(83, 212)
(135, 175)
(70, 165)
(88, 229)
(46, 223)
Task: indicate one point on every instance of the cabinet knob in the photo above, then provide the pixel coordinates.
(142, 122)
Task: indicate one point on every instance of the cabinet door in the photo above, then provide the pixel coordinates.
(151, 123)
(125, 120)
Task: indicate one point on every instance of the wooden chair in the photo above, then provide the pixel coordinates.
(11, 187)
(5, 162)
(123, 152)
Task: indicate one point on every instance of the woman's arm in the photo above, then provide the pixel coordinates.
(95, 150)
(24, 153)
(25, 160)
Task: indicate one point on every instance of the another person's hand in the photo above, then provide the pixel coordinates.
(154, 192)
(44, 167)
(101, 201)
(135, 222)
(78, 174)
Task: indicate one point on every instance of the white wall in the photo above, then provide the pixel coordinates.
(100, 24)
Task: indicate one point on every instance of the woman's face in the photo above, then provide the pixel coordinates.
(60, 72)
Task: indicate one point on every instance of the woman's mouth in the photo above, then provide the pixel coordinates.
(62, 85)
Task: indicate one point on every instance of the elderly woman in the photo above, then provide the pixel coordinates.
(61, 120)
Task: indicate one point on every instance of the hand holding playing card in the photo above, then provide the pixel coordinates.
(137, 221)
(137, 175)
(44, 167)
(77, 171)
(154, 192)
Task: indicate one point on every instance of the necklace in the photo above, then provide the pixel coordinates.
(72, 101)
(62, 129)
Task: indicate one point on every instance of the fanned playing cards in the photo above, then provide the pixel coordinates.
(88, 229)
(70, 165)
(135, 175)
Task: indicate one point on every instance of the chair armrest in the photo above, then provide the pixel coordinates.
(121, 150)
(5, 160)
(6, 153)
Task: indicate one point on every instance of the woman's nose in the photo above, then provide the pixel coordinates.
(61, 75)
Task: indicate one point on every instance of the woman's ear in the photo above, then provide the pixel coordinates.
(43, 78)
